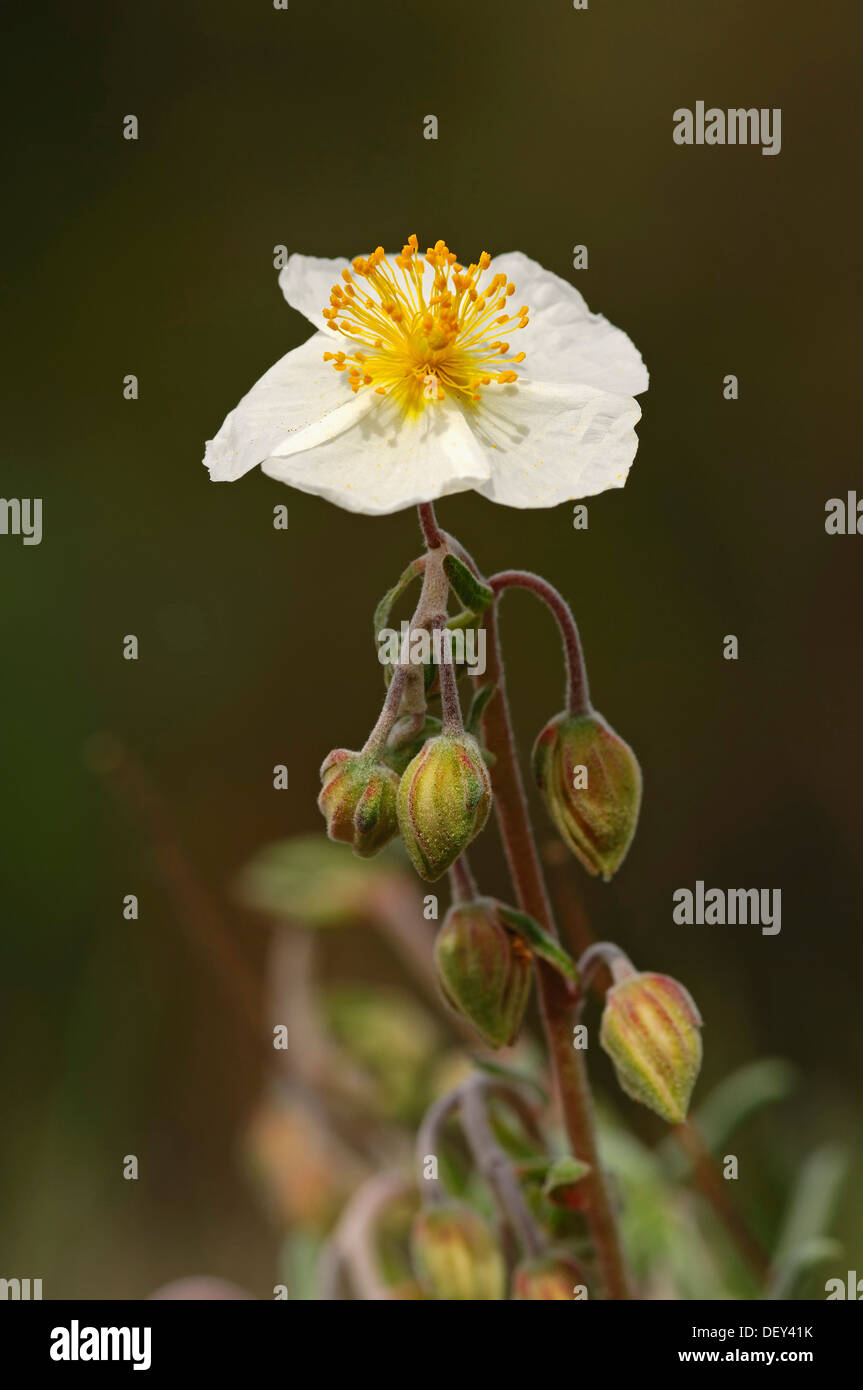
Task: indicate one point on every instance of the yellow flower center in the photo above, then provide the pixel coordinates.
(420, 348)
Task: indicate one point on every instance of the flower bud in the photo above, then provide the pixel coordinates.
(548, 1277)
(650, 1031)
(401, 749)
(591, 784)
(485, 970)
(358, 800)
(443, 802)
(456, 1254)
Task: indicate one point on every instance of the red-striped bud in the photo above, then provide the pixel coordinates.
(484, 969)
(591, 783)
(548, 1277)
(358, 800)
(456, 1255)
(443, 802)
(650, 1030)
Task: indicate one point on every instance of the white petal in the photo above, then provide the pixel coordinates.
(564, 341)
(298, 391)
(385, 462)
(306, 282)
(550, 443)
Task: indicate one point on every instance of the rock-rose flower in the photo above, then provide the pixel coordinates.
(427, 377)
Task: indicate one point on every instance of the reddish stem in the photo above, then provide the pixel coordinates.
(577, 691)
(428, 522)
(556, 1003)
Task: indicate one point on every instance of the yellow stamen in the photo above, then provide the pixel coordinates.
(421, 349)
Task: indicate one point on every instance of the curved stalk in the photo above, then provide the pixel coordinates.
(577, 690)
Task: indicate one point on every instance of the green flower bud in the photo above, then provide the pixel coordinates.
(591, 783)
(485, 970)
(650, 1031)
(548, 1277)
(358, 800)
(443, 802)
(398, 754)
(456, 1255)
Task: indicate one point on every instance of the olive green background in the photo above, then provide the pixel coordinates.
(155, 257)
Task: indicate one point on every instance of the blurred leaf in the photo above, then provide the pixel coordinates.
(392, 1037)
(561, 1186)
(809, 1212)
(298, 1259)
(806, 1256)
(668, 1250)
(314, 881)
(511, 1074)
(732, 1102)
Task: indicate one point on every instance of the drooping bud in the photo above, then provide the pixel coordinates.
(591, 783)
(456, 1255)
(485, 970)
(548, 1277)
(443, 802)
(402, 747)
(358, 800)
(650, 1031)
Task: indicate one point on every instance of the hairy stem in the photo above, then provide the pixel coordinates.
(597, 975)
(556, 1004)
(494, 1164)
(714, 1189)
(577, 690)
(462, 882)
(555, 1001)
(432, 534)
(604, 953)
(353, 1244)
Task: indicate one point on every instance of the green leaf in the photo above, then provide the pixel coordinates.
(298, 1264)
(540, 942)
(466, 618)
(382, 612)
(466, 586)
(477, 707)
(510, 1075)
(810, 1211)
(805, 1257)
(311, 880)
(737, 1097)
(385, 607)
(562, 1179)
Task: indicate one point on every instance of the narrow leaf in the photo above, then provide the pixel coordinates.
(561, 1182)
(385, 607)
(477, 706)
(540, 942)
(466, 586)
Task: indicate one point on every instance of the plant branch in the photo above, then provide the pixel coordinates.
(712, 1186)
(494, 1164)
(555, 999)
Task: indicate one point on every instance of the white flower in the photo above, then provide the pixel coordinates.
(408, 390)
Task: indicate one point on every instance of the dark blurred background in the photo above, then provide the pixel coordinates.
(155, 257)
